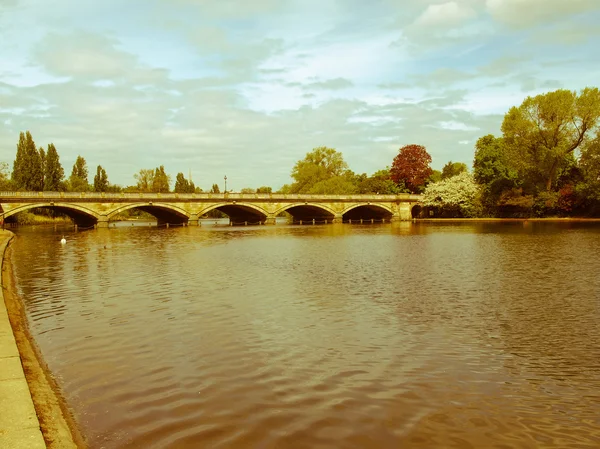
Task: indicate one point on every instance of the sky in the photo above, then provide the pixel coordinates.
(245, 89)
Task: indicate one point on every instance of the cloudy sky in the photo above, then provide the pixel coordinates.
(246, 88)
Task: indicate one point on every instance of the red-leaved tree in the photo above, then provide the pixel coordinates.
(411, 167)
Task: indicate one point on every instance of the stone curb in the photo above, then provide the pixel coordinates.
(19, 424)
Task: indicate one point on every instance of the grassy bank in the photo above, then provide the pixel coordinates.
(29, 218)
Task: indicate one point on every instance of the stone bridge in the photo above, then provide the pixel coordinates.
(89, 209)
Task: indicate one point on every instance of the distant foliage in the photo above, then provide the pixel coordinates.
(78, 181)
(161, 181)
(323, 170)
(100, 180)
(452, 169)
(411, 167)
(379, 182)
(182, 185)
(53, 170)
(27, 171)
(144, 179)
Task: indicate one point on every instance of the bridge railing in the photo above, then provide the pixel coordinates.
(208, 196)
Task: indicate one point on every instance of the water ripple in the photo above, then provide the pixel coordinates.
(411, 335)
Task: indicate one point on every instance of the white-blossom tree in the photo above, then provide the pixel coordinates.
(455, 196)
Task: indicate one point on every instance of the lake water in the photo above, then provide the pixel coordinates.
(416, 335)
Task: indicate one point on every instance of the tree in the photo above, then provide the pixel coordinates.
(27, 168)
(318, 166)
(452, 169)
(588, 189)
(161, 181)
(337, 185)
(455, 196)
(491, 170)
(79, 176)
(5, 182)
(379, 182)
(544, 129)
(144, 179)
(42, 154)
(215, 189)
(53, 170)
(182, 185)
(248, 190)
(100, 180)
(412, 167)
(264, 189)
(435, 176)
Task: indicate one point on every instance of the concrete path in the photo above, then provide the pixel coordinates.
(19, 425)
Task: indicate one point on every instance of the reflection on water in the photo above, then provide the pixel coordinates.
(339, 336)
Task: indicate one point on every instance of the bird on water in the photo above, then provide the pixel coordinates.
(63, 240)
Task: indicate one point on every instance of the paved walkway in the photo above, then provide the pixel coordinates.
(19, 425)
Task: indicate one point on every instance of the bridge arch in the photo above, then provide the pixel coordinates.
(308, 211)
(164, 212)
(238, 212)
(417, 211)
(81, 216)
(369, 211)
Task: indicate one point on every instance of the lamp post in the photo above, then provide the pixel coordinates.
(225, 178)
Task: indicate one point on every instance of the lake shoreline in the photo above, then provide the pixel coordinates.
(499, 220)
(57, 423)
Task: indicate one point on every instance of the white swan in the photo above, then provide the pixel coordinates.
(63, 240)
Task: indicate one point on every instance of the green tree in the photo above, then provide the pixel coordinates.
(53, 170)
(452, 169)
(337, 185)
(100, 180)
(545, 129)
(27, 168)
(264, 189)
(492, 171)
(215, 188)
(182, 185)
(161, 181)
(144, 179)
(18, 172)
(457, 196)
(317, 169)
(587, 190)
(5, 182)
(42, 154)
(435, 176)
(379, 182)
(248, 190)
(411, 167)
(78, 180)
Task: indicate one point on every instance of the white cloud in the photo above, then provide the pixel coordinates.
(250, 89)
(523, 13)
(445, 14)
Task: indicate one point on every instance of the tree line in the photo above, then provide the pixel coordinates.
(546, 162)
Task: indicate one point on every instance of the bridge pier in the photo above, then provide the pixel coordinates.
(193, 220)
(339, 218)
(404, 212)
(102, 222)
(270, 220)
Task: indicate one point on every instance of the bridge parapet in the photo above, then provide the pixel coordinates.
(210, 196)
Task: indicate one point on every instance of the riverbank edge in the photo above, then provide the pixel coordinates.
(495, 220)
(57, 424)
